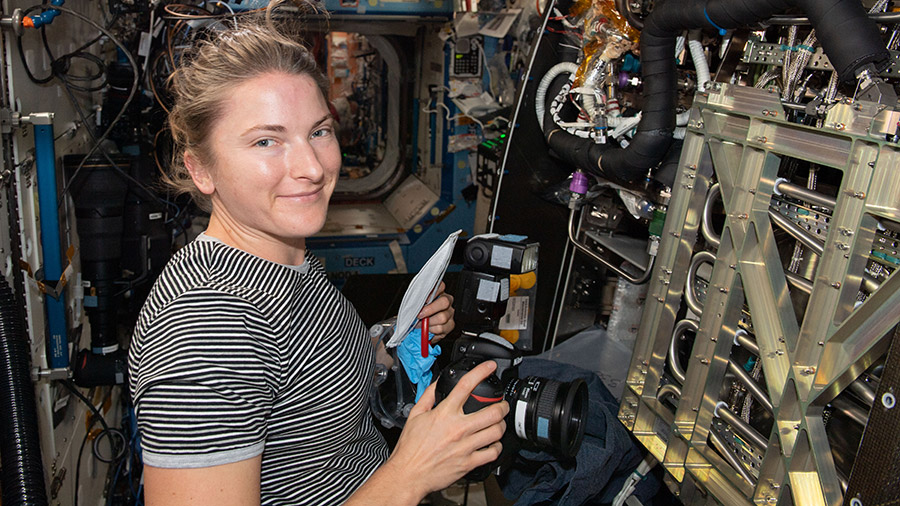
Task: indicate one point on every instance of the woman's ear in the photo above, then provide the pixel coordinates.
(200, 173)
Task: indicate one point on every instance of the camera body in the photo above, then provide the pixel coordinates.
(545, 414)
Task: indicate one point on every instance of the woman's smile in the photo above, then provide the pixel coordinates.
(304, 196)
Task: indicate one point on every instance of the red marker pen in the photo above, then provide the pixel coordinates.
(424, 337)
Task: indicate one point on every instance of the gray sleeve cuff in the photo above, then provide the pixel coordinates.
(194, 460)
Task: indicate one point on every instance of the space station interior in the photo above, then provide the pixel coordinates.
(689, 209)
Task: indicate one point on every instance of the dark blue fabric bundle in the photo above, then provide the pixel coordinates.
(607, 456)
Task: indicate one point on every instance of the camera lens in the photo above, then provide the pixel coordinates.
(548, 413)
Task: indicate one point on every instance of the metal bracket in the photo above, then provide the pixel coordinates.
(14, 22)
(39, 373)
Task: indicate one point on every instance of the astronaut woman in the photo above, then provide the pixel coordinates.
(249, 371)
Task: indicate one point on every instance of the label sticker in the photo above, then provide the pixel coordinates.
(516, 317)
(488, 290)
(501, 257)
(543, 428)
(520, 419)
(144, 44)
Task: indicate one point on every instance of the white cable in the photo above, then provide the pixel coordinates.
(447, 116)
(556, 106)
(575, 124)
(486, 66)
(699, 57)
(589, 97)
(630, 484)
(540, 97)
(463, 115)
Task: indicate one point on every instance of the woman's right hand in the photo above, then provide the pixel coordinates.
(440, 444)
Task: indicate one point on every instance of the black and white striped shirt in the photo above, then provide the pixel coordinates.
(235, 356)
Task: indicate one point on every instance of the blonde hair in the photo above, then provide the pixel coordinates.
(207, 74)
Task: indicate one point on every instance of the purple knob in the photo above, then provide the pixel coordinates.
(579, 183)
(623, 79)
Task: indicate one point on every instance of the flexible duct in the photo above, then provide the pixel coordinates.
(699, 58)
(22, 474)
(540, 97)
(849, 38)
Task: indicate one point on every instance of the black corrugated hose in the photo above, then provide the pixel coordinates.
(850, 39)
(22, 476)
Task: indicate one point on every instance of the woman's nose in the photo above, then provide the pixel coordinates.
(303, 162)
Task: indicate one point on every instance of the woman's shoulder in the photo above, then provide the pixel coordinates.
(193, 279)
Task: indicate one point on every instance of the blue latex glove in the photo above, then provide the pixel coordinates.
(417, 367)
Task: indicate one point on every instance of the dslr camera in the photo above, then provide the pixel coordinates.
(544, 414)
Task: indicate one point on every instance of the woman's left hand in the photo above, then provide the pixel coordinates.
(439, 314)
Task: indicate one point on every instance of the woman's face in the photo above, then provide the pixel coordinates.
(275, 159)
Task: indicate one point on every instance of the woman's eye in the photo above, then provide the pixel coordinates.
(264, 143)
(322, 132)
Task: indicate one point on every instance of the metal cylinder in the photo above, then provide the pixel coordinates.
(851, 410)
(863, 391)
(668, 389)
(752, 386)
(797, 233)
(690, 297)
(741, 427)
(715, 191)
(798, 281)
(742, 338)
(729, 456)
(801, 193)
(680, 328)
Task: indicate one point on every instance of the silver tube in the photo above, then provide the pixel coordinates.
(870, 284)
(690, 298)
(729, 456)
(801, 193)
(798, 281)
(851, 410)
(742, 338)
(680, 328)
(587, 251)
(668, 389)
(752, 386)
(797, 233)
(741, 427)
(706, 219)
(861, 390)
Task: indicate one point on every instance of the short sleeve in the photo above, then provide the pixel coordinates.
(205, 380)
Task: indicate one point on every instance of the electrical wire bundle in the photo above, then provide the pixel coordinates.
(123, 453)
